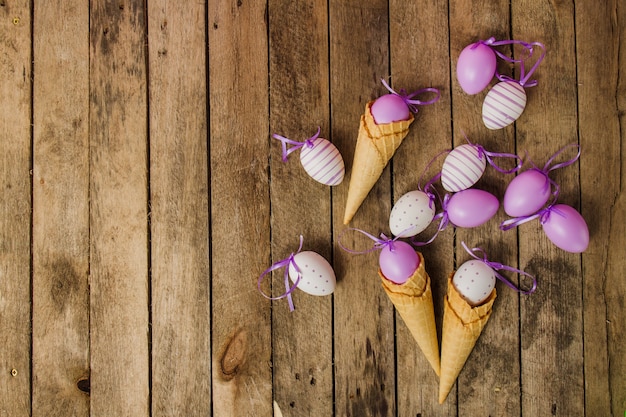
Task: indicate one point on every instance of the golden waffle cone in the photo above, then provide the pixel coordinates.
(462, 325)
(414, 301)
(375, 146)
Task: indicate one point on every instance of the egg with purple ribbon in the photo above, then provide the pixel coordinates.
(566, 228)
(462, 168)
(471, 207)
(398, 261)
(527, 193)
(475, 67)
(323, 162)
(503, 105)
(317, 277)
(474, 280)
(389, 108)
(411, 214)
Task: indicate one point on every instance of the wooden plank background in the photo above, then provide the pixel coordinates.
(143, 196)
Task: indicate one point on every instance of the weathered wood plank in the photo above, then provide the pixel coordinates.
(119, 310)
(240, 208)
(181, 308)
(15, 209)
(364, 331)
(489, 381)
(551, 319)
(299, 95)
(60, 192)
(419, 59)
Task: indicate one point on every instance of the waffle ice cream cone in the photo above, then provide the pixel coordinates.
(375, 146)
(462, 325)
(414, 301)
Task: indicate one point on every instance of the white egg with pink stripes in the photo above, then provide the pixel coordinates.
(462, 168)
(504, 104)
(323, 162)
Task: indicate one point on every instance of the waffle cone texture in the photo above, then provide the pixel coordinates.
(462, 325)
(375, 146)
(414, 302)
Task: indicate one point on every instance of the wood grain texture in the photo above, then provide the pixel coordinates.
(302, 341)
(489, 382)
(119, 219)
(60, 192)
(240, 208)
(364, 340)
(15, 209)
(179, 212)
(417, 32)
(551, 319)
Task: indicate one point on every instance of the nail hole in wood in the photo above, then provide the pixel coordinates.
(84, 385)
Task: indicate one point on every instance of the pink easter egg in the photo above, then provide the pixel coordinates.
(389, 108)
(503, 104)
(567, 229)
(475, 67)
(471, 207)
(527, 193)
(398, 261)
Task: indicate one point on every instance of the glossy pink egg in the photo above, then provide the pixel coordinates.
(567, 229)
(398, 261)
(471, 207)
(527, 193)
(475, 67)
(390, 108)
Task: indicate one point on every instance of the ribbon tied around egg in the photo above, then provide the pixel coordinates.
(408, 98)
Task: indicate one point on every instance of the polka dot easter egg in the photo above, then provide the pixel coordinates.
(474, 280)
(503, 105)
(319, 157)
(316, 275)
(462, 168)
(411, 214)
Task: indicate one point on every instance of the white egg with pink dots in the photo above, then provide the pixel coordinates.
(411, 214)
(474, 280)
(316, 275)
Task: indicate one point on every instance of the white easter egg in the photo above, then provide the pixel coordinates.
(462, 168)
(323, 162)
(316, 275)
(474, 280)
(411, 214)
(504, 103)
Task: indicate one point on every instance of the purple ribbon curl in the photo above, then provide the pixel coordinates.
(284, 263)
(529, 46)
(408, 98)
(490, 155)
(498, 266)
(443, 223)
(543, 215)
(295, 144)
(379, 243)
(548, 167)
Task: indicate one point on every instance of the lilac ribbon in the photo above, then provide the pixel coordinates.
(498, 266)
(548, 167)
(295, 144)
(489, 155)
(543, 215)
(445, 221)
(524, 77)
(408, 98)
(379, 243)
(284, 263)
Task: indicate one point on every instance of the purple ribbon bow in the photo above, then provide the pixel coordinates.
(295, 144)
(408, 98)
(379, 243)
(548, 167)
(543, 215)
(490, 155)
(284, 263)
(498, 266)
(529, 46)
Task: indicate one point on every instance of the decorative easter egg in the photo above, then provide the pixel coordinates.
(475, 67)
(390, 108)
(474, 280)
(462, 168)
(316, 275)
(411, 214)
(527, 193)
(471, 208)
(567, 229)
(504, 103)
(323, 162)
(398, 261)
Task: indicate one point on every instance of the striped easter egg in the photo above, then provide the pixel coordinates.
(323, 162)
(504, 103)
(462, 168)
